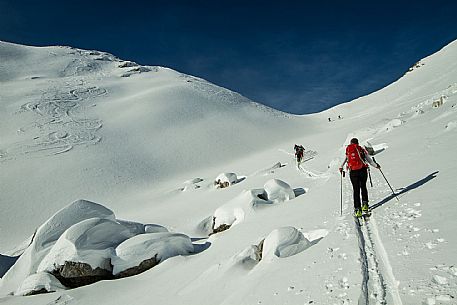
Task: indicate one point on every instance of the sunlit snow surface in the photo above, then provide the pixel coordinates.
(147, 144)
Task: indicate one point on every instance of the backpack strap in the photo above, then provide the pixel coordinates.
(362, 155)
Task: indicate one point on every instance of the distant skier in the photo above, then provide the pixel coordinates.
(357, 159)
(299, 152)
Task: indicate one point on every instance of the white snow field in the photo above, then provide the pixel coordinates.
(109, 163)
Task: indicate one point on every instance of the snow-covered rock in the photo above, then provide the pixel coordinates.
(151, 228)
(78, 211)
(91, 241)
(225, 180)
(392, 124)
(45, 238)
(41, 282)
(127, 64)
(156, 246)
(234, 211)
(77, 274)
(278, 190)
(284, 242)
(80, 244)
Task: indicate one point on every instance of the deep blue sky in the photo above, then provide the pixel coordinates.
(296, 56)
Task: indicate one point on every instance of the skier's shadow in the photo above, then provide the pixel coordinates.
(405, 189)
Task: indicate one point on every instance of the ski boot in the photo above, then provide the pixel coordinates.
(358, 213)
(365, 208)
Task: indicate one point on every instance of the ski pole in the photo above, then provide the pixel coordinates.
(369, 175)
(393, 193)
(341, 199)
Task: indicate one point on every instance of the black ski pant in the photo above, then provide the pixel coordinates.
(359, 185)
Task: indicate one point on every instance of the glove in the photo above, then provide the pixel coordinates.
(378, 166)
(341, 169)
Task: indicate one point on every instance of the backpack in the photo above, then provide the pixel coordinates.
(355, 157)
(299, 150)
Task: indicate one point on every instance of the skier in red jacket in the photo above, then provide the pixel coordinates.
(357, 159)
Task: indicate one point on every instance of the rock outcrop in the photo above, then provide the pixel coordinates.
(76, 274)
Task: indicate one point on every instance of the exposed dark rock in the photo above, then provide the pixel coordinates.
(263, 196)
(34, 292)
(76, 274)
(128, 64)
(219, 229)
(219, 184)
(259, 250)
(144, 265)
(140, 69)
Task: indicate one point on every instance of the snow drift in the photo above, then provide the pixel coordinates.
(86, 233)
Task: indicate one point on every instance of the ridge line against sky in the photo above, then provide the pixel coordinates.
(295, 56)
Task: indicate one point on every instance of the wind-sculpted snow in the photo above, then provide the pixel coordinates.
(259, 259)
(278, 191)
(88, 234)
(146, 246)
(91, 241)
(284, 242)
(224, 180)
(38, 283)
(78, 211)
(230, 178)
(47, 235)
(245, 204)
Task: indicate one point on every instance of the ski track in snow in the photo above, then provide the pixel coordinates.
(61, 124)
(308, 155)
(61, 121)
(61, 112)
(312, 174)
(378, 282)
(379, 285)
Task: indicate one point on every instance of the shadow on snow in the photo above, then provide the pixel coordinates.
(6, 262)
(199, 247)
(299, 191)
(405, 189)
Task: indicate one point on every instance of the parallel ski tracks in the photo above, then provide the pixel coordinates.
(378, 283)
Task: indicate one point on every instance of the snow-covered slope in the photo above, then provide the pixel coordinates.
(73, 125)
(149, 146)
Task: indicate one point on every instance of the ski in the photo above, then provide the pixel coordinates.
(358, 220)
(366, 215)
